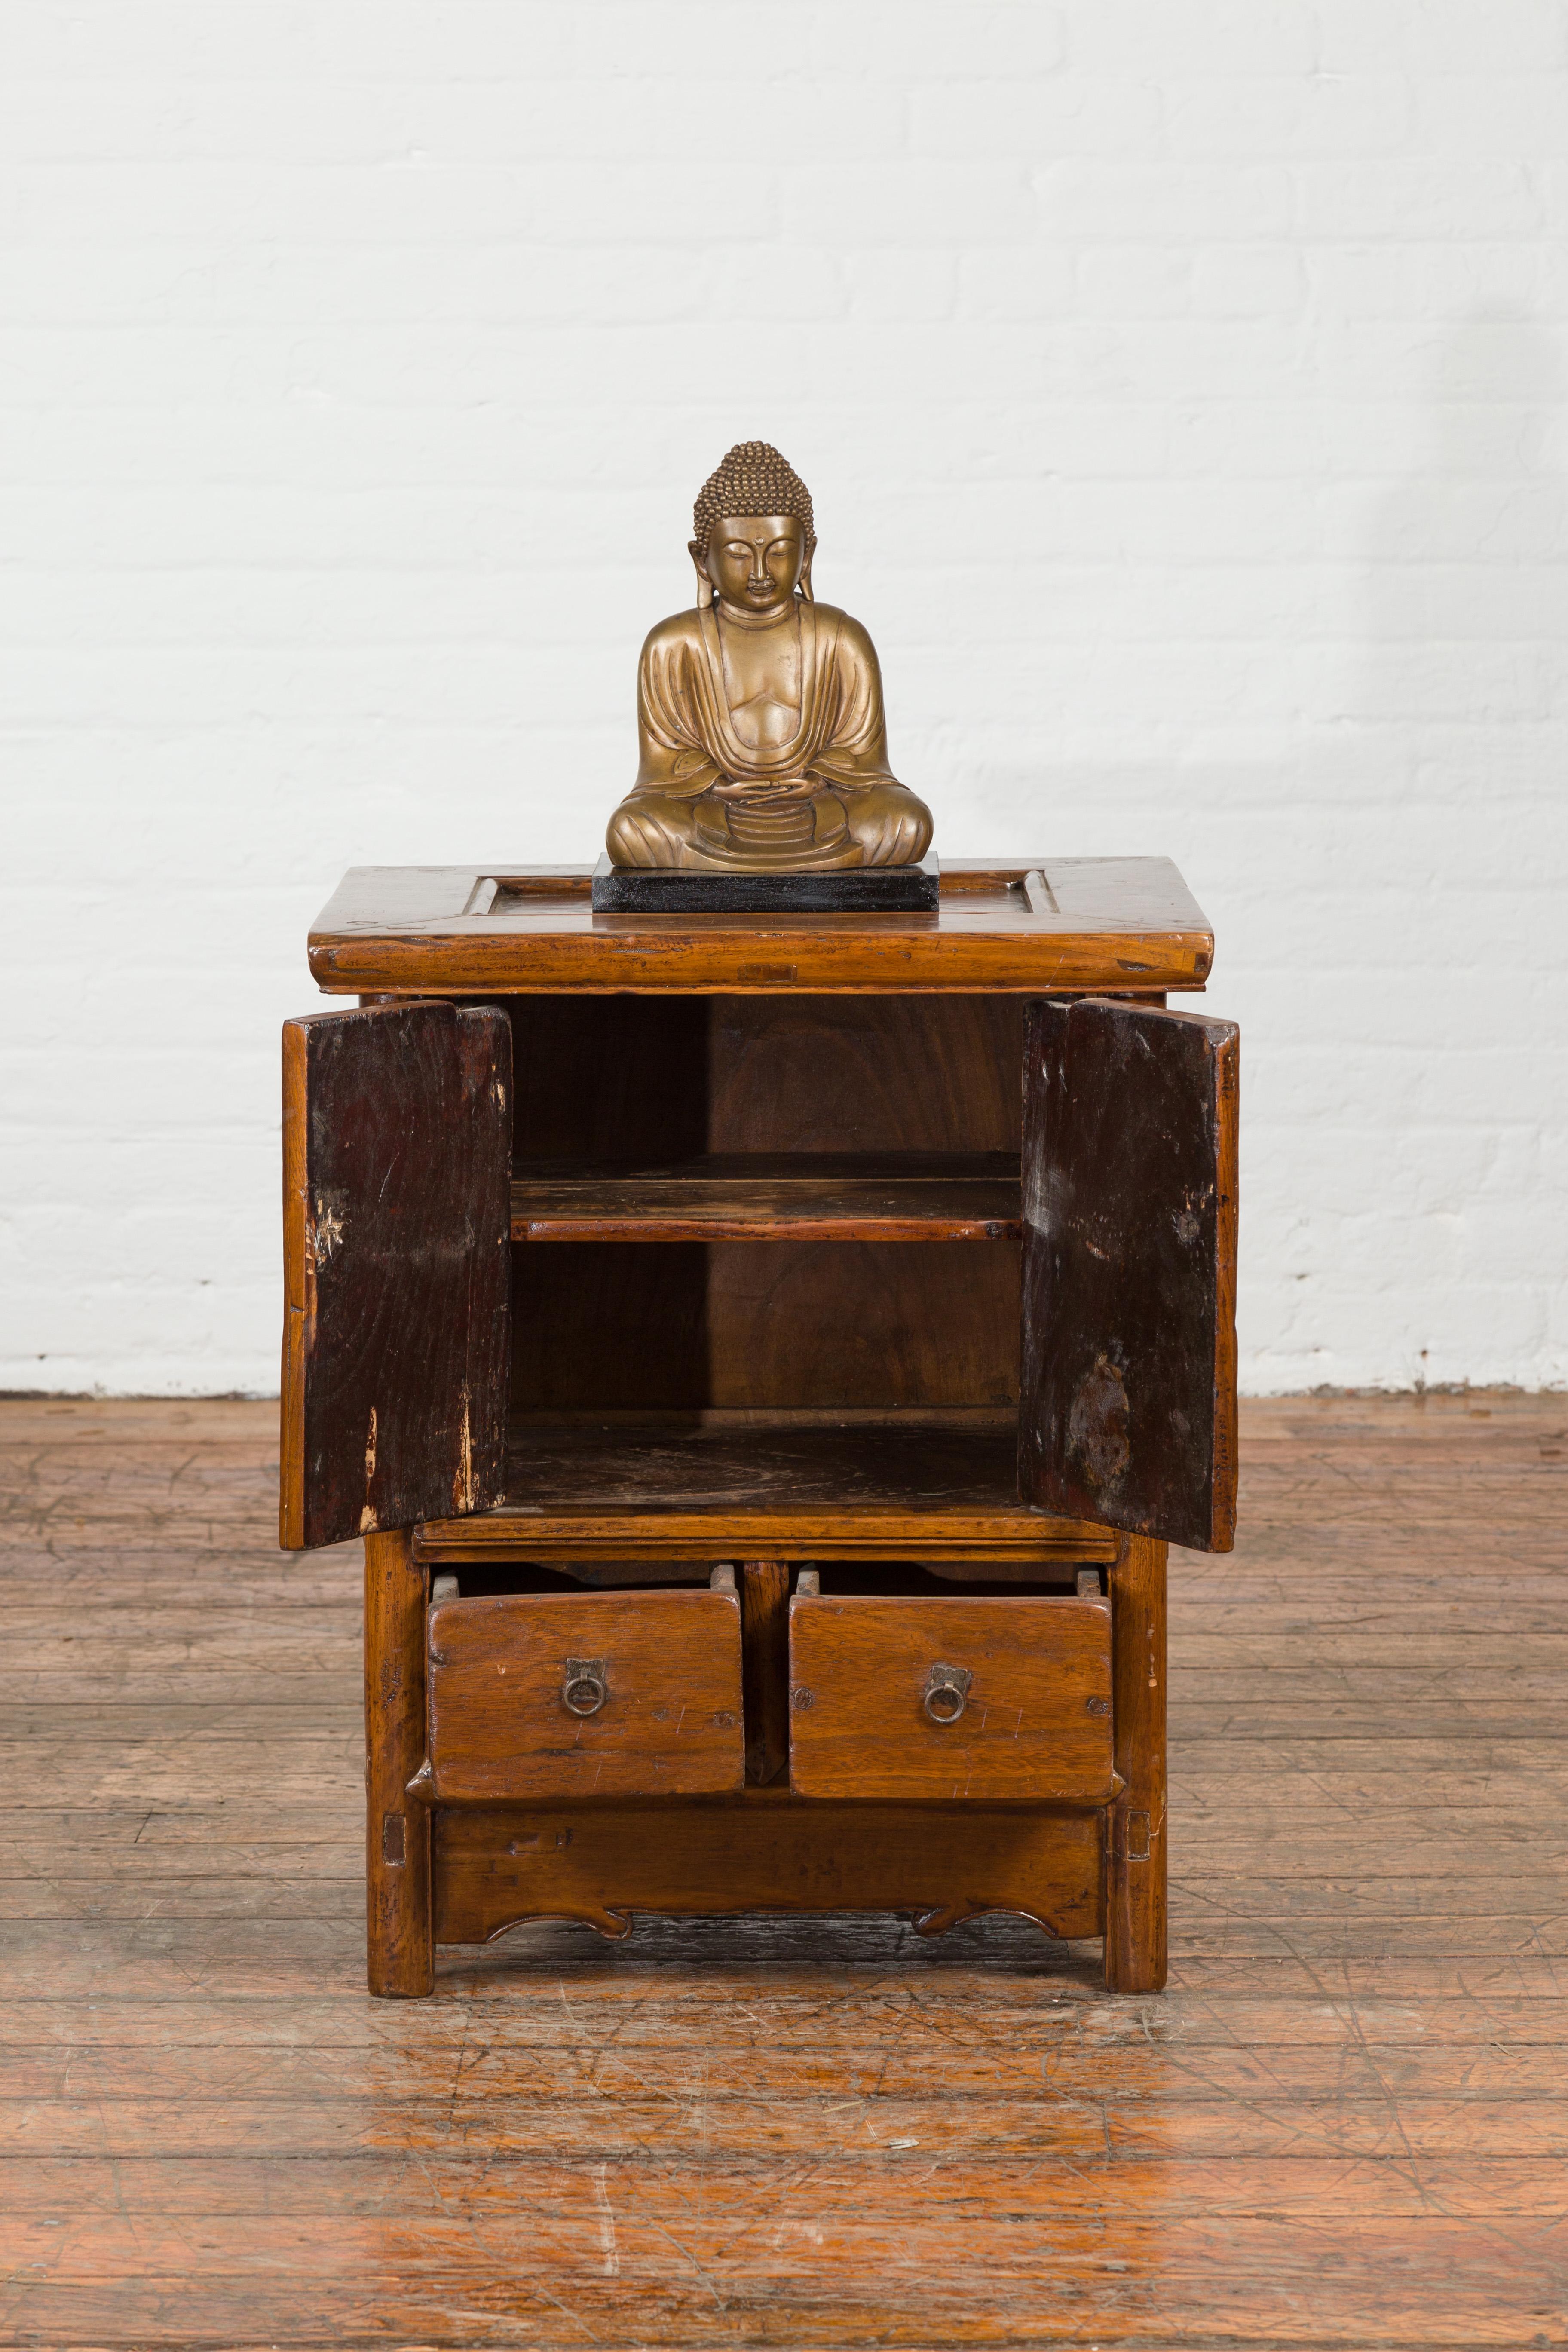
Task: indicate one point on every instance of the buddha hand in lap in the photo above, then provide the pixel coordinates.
(760, 714)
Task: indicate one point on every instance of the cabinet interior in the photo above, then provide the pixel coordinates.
(855, 1115)
(838, 1312)
(838, 1580)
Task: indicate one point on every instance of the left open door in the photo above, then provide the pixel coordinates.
(397, 1257)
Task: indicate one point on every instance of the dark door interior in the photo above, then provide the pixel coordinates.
(1128, 1412)
(396, 1244)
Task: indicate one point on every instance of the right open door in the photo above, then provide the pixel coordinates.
(1127, 1413)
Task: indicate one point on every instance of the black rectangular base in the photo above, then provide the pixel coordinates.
(822, 891)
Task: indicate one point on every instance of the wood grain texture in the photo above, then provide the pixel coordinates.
(743, 1326)
(1129, 1202)
(769, 1852)
(846, 1081)
(959, 1700)
(780, 1198)
(1098, 923)
(764, 1624)
(399, 1958)
(659, 1710)
(1340, 2126)
(396, 1345)
(1136, 1920)
(875, 1074)
(783, 1486)
(886, 1326)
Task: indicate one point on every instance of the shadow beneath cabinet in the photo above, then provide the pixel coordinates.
(759, 1939)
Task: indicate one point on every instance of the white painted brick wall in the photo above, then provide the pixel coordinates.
(1181, 390)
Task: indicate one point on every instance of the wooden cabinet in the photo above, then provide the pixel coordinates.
(895, 1251)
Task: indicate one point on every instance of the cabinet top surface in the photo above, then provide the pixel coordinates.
(1024, 925)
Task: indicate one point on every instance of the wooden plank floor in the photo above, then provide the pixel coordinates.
(1344, 2124)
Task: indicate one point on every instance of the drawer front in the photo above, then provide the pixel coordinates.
(950, 1699)
(584, 1694)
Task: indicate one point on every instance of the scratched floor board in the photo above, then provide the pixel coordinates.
(936, 2074)
(1311, 2189)
(1250, 2287)
(1344, 2125)
(884, 2014)
(799, 2128)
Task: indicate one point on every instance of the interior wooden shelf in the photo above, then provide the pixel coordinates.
(902, 1197)
(716, 1484)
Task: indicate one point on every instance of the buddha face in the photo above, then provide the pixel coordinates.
(755, 561)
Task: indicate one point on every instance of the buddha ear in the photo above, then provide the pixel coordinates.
(806, 577)
(704, 584)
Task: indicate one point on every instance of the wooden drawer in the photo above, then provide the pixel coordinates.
(983, 1698)
(584, 1694)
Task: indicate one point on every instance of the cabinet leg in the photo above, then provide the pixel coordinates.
(1135, 1930)
(401, 1959)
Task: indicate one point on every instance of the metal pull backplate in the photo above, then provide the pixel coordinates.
(584, 1688)
(947, 1693)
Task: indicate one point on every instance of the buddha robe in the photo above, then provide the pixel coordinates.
(857, 811)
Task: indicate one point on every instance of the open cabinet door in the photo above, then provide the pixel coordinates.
(1127, 1407)
(396, 1255)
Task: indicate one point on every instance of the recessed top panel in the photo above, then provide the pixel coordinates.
(1030, 926)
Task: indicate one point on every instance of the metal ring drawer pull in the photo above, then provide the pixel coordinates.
(582, 1687)
(947, 1693)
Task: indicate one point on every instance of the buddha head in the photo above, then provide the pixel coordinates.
(755, 537)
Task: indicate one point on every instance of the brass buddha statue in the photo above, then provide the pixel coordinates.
(763, 747)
